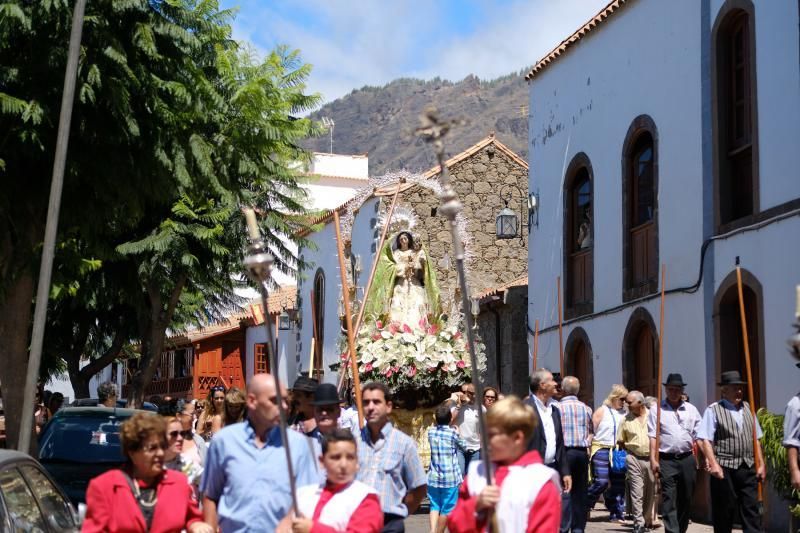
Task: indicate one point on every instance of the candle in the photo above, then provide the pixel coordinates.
(797, 308)
(476, 309)
(252, 225)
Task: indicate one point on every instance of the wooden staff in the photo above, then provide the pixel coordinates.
(536, 345)
(314, 347)
(311, 358)
(277, 332)
(360, 317)
(750, 394)
(660, 356)
(349, 321)
(560, 329)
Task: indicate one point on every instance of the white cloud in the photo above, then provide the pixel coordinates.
(355, 43)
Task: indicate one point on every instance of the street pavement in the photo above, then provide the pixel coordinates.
(418, 523)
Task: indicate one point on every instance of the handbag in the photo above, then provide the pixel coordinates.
(618, 458)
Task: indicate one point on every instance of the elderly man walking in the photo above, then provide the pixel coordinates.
(388, 460)
(576, 422)
(638, 474)
(245, 483)
(107, 394)
(548, 436)
(673, 460)
(726, 435)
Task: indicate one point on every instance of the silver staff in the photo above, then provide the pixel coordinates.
(433, 131)
(258, 263)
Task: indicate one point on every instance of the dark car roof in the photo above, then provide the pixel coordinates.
(94, 412)
(10, 456)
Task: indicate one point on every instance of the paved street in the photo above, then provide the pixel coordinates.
(419, 524)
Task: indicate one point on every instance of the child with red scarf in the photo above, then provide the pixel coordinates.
(525, 496)
(341, 504)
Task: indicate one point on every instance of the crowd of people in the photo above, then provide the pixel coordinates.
(221, 465)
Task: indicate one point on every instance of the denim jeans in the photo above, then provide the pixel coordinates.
(465, 457)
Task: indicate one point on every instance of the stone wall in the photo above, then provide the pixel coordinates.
(479, 181)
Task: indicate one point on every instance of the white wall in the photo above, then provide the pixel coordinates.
(585, 102)
(287, 365)
(355, 166)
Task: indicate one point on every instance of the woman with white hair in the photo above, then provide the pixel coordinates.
(607, 420)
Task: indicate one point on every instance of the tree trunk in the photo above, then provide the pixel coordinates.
(15, 323)
(80, 383)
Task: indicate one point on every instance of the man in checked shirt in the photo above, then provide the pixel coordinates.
(576, 423)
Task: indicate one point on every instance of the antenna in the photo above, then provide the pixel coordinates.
(329, 124)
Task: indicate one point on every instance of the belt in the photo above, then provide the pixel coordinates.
(578, 448)
(642, 457)
(674, 456)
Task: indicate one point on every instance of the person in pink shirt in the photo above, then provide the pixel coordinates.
(341, 504)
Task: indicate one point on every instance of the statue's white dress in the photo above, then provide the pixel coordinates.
(409, 301)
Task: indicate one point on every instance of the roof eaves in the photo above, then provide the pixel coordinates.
(612, 7)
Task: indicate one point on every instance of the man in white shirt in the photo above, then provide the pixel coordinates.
(467, 422)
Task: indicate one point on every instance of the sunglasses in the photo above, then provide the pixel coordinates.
(186, 434)
(218, 388)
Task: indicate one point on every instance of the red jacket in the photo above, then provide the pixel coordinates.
(544, 515)
(111, 506)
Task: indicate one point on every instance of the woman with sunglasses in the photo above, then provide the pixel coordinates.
(490, 396)
(174, 455)
(142, 496)
(212, 418)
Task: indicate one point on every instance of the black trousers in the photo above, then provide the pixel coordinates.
(677, 487)
(393, 523)
(574, 503)
(737, 490)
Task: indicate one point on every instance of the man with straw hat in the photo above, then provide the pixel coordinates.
(671, 458)
(726, 437)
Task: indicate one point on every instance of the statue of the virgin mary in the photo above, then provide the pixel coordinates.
(404, 288)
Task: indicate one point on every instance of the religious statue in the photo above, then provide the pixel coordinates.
(404, 289)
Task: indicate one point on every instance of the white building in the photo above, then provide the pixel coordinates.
(668, 133)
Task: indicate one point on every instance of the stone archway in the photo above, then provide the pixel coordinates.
(640, 353)
(578, 362)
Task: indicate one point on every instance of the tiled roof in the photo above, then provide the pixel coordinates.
(610, 8)
(430, 173)
(497, 291)
(284, 297)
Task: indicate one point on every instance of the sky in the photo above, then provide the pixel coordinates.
(355, 43)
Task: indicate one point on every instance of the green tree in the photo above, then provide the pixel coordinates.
(175, 126)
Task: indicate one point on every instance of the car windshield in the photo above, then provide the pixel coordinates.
(83, 439)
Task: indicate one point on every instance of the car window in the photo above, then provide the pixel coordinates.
(79, 438)
(21, 505)
(52, 503)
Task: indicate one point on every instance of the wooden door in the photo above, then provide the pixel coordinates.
(646, 366)
(207, 367)
(233, 364)
(582, 370)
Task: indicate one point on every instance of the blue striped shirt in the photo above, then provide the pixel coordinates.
(445, 471)
(391, 466)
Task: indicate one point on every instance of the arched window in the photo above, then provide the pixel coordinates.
(579, 238)
(319, 321)
(640, 204)
(728, 330)
(578, 362)
(640, 354)
(735, 124)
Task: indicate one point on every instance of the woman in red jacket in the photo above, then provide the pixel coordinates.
(142, 497)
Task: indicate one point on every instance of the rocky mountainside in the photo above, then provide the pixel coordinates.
(380, 121)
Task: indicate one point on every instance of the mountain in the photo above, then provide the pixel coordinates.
(381, 121)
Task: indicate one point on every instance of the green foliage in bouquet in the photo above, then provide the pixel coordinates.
(421, 365)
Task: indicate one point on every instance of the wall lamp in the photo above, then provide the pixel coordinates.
(507, 223)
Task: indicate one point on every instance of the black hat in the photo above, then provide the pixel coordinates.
(731, 377)
(674, 380)
(305, 384)
(326, 394)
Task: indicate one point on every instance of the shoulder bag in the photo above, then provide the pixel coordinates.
(617, 457)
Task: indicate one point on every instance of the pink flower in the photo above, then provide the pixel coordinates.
(460, 364)
(423, 322)
(376, 336)
(388, 373)
(406, 329)
(343, 356)
(433, 329)
(379, 324)
(412, 371)
(368, 367)
(393, 328)
(457, 335)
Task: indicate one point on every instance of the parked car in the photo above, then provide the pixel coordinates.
(80, 443)
(29, 498)
(94, 402)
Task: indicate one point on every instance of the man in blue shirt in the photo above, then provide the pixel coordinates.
(246, 480)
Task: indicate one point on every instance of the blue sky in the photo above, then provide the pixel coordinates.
(371, 42)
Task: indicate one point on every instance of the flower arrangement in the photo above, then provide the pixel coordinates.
(421, 364)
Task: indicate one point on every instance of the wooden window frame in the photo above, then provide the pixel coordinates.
(640, 126)
(260, 358)
(578, 337)
(580, 162)
(640, 318)
(732, 16)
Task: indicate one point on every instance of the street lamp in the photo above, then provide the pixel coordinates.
(284, 321)
(507, 222)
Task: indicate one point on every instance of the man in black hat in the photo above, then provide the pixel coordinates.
(672, 460)
(302, 414)
(326, 410)
(726, 437)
